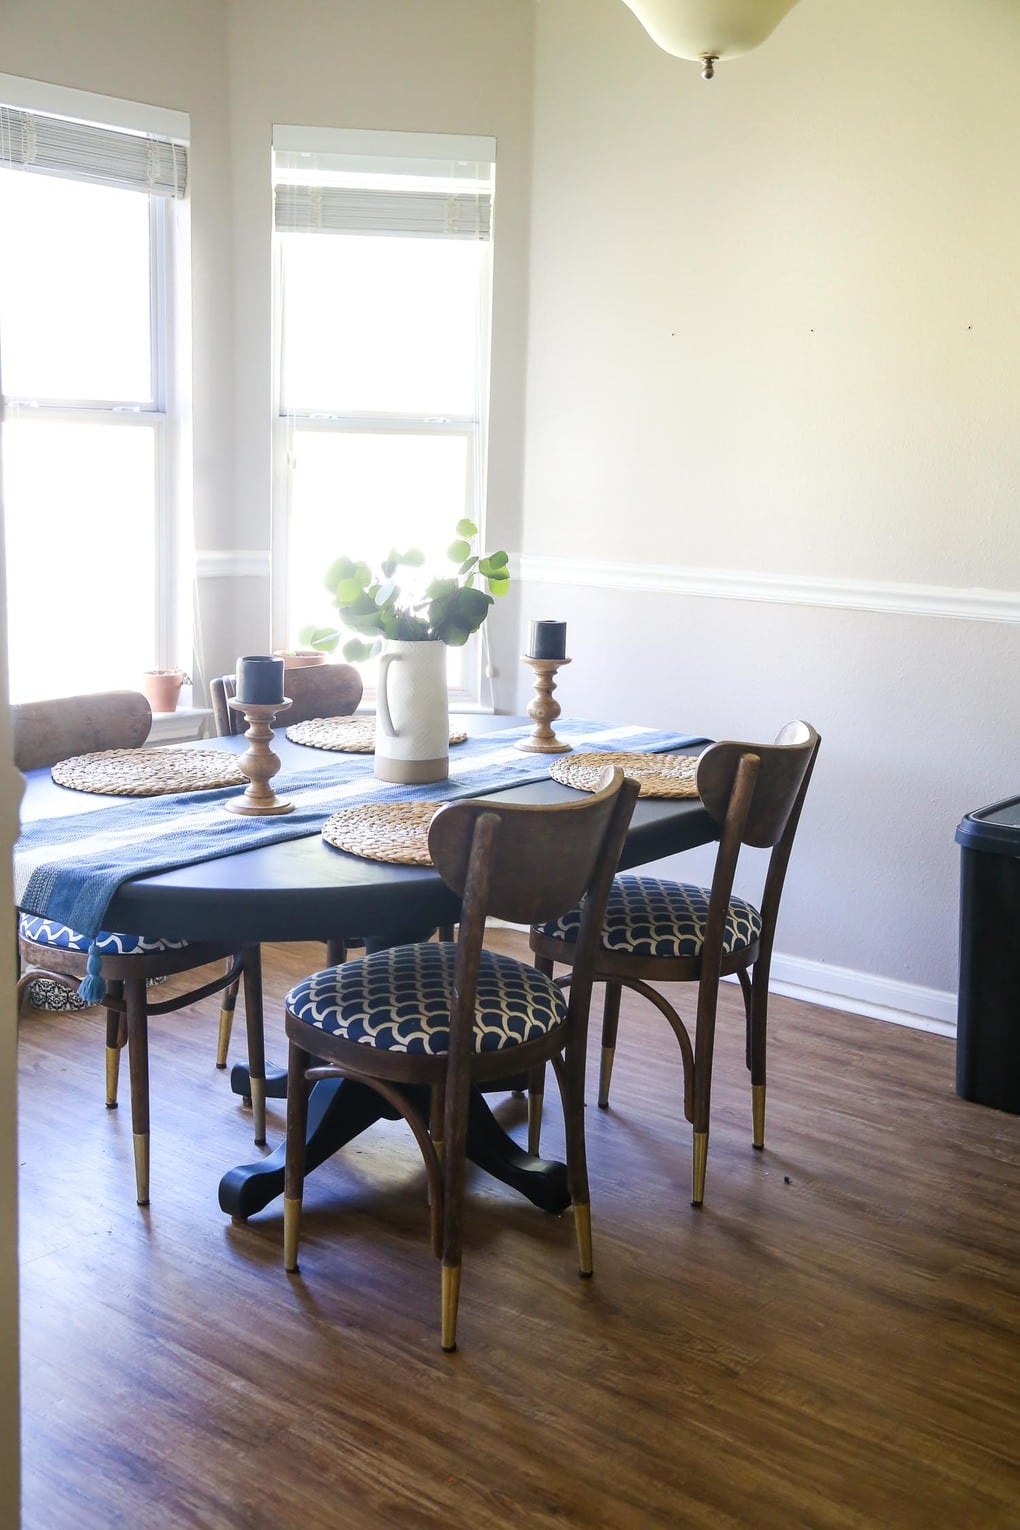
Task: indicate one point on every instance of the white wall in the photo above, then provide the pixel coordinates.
(457, 66)
(774, 331)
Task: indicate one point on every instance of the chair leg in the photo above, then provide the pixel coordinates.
(256, 1040)
(116, 1039)
(610, 1026)
(536, 1081)
(700, 1165)
(437, 1116)
(536, 1104)
(451, 1298)
(570, 1076)
(704, 1049)
(294, 1169)
(227, 1004)
(756, 1043)
(138, 1069)
(454, 1159)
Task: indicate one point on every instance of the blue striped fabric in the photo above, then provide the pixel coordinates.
(68, 868)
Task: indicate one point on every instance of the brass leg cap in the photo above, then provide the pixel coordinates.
(758, 1115)
(223, 1037)
(112, 1076)
(291, 1232)
(451, 1296)
(700, 1165)
(258, 1109)
(141, 1146)
(582, 1230)
(605, 1076)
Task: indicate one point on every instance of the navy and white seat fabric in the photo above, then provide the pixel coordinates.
(400, 1000)
(53, 997)
(646, 916)
(46, 932)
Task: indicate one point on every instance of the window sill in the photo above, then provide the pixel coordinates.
(182, 726)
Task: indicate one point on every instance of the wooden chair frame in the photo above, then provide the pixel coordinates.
(514, 862)
(48, 731)
(755, 793)
(320, 690)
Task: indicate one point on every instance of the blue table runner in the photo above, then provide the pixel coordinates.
(68, 868)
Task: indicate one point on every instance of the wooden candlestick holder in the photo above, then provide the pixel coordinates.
(259, 763)
(543, 710)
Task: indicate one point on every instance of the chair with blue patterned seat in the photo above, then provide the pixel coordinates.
(450, 1016)
(668, 932)
(46, 732)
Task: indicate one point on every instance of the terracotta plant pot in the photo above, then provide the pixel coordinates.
(162, 688)
(299, 658)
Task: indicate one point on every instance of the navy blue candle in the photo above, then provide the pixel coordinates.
(548, 640)
(259, 680)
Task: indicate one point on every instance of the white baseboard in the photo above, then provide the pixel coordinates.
(864, 993)
(855, 993)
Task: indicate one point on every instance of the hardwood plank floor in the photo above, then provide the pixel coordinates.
(832, 1341)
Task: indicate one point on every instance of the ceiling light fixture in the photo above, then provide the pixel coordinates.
(709, 30)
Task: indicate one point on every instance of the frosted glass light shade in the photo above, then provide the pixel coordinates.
(717, 29)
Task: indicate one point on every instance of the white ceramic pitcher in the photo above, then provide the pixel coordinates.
(412, 723)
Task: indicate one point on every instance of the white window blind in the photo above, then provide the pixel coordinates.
(358, 210)
(83, 151)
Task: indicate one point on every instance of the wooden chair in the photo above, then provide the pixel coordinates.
(448, 1016)
(320, 690)
(48, 731)
(670, 932)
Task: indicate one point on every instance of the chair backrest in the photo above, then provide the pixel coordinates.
(756, 793)
(48, 731)
(527, 864)
(318, 690)
(773, 785)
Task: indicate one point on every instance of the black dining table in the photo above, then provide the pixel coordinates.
(304, 889)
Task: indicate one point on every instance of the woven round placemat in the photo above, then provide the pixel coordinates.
(350, 735)
(659, 775)
(148, 772)
(384, 831)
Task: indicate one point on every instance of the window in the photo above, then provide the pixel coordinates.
(383, 281)
(90, 428)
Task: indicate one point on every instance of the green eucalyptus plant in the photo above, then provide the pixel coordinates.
(448, 610)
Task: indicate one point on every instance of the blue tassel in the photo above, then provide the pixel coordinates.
(92, 988)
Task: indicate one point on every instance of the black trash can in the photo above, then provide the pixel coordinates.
(988, 1015)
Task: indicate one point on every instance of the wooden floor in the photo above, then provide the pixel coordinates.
(834, 1340)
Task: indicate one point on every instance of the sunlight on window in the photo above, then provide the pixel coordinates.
(360, 496)
(80, 555)
(74, 290)
(380, 325)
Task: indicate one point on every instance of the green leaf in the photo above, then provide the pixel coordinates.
(356, 652)
(458, 551)
(325, 639)
(348, 591)
(413, 558)
(498, 586)
(466, 528)
(466, 566)
(494, 563)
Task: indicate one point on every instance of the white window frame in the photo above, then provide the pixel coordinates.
(465, 693)
(166, 411)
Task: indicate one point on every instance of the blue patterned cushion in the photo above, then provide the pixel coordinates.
(400, 1000)
(45, 933)
(649, 917)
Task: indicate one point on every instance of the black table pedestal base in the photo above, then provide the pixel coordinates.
(341, 1109)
